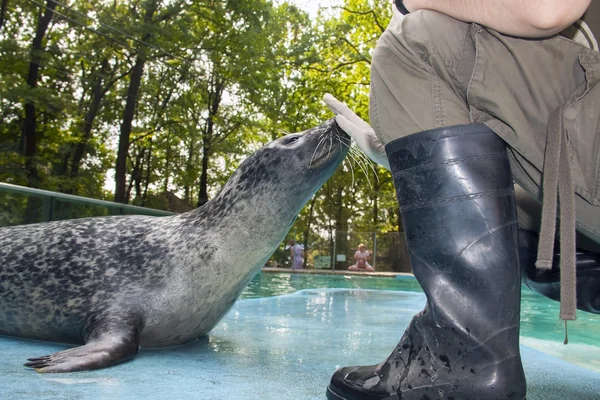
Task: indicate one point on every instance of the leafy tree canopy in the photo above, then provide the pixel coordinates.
(163, 99)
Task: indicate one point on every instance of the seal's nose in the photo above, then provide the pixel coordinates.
(331, 127)
(327, 136)
(339, 132)
(326, 140)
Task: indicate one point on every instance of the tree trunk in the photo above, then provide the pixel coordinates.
(214, 101)
(30, 123)
(186, 193)
(307, 230)
(147, 176)
(128, 114)
(167, 164)
(399, 214)
(136, 175)
(203, 186)
(341, 229)
(376, 185)
(330, 225)
(135, 82)
(188, 170)
(29, 131)
(98, 93)
(3, 8)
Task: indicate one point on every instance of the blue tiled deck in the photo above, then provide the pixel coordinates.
(283, 347)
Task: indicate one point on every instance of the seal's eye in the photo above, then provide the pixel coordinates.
(292, 139)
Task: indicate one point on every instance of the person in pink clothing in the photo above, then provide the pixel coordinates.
(360, 260)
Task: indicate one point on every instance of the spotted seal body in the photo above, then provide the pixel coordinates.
(114, 283)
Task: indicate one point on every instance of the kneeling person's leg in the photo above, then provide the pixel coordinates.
(419, 74)
(455, 190)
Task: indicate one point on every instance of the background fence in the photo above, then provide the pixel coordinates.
(325, 250)
(336, 251)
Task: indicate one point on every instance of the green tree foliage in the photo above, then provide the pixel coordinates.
(156, 102)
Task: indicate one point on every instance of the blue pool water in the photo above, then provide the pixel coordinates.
(274, 345)
(540, 325)
(275, 284)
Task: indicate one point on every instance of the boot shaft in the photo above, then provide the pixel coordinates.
(455, 190)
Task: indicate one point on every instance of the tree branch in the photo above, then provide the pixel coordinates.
(381, 28)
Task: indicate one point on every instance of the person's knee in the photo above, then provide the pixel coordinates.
(418, 77)
(419, 35)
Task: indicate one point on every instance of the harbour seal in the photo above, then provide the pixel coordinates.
(116, 283)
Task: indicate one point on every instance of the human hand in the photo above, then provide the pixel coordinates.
(359, 130)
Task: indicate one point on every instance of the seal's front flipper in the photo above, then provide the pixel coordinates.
(112, 341)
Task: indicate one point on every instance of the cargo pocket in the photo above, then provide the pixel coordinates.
(582, 122)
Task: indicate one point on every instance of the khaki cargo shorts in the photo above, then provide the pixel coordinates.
(430, 70)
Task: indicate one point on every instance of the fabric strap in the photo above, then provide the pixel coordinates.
(556, 183)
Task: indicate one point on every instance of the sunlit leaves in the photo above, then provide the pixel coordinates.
(221, 79)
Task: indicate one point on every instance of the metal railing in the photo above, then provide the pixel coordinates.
(24, 205)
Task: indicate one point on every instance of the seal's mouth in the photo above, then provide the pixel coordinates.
(326, 155)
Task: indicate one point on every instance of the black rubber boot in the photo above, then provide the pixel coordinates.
(547, 282)
(456, 195)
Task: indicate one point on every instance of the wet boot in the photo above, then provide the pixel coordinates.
(547, 282)
(455, 191)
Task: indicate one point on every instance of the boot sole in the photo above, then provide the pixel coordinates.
(332, 395)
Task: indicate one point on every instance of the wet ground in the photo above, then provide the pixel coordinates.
(283, 347)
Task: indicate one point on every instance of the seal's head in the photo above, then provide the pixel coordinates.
(271, 186)
(292, 168)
